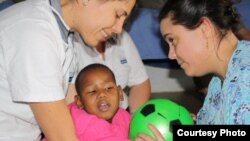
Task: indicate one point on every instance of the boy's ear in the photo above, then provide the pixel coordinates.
(78, 102)
(120, 91)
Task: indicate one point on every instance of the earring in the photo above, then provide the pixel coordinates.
(206, 43)
(203, 31)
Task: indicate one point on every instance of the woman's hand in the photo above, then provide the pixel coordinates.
(194, 117)
(145, 137)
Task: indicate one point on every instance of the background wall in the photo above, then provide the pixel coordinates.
(169, 80)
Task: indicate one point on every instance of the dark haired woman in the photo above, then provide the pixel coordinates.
(201, 38)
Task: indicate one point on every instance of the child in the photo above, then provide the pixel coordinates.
(95, 112)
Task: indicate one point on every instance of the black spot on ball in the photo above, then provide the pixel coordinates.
(148, 109)
(174, 122)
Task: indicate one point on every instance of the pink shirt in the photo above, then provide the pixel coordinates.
(91, 128)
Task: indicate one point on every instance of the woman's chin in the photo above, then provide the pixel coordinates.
(189, 73)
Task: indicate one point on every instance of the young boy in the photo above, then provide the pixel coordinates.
(95, 112)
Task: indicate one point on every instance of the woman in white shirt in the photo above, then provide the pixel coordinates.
(123, 59)
(37, 62)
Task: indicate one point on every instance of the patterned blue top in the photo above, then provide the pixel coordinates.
(228, 102)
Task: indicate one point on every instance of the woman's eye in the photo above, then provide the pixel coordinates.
(171, 41)
(120, 14)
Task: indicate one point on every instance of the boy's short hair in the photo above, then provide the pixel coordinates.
(88, 69)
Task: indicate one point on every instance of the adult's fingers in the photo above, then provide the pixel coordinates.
(156, 132)
(144, 137)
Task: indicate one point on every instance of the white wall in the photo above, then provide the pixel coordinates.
(168, 80)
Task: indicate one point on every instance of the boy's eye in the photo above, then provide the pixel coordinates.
(109, 88)
(92, 92)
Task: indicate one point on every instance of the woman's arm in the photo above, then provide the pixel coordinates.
(71, 94)
(55, 120)
(138, 95)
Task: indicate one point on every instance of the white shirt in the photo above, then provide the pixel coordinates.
(123, 59)
(34, 66)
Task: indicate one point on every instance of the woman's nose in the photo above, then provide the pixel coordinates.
(171, 53)
(118, 26)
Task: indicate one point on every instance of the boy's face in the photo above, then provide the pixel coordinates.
(99, 94)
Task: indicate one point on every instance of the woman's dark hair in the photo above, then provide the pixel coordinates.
(190, 12)
(85, 71)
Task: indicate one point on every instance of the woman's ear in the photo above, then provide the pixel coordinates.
(78, 102)
(120, 91)
(207, 27)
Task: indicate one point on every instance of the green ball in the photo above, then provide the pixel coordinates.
(162, 113)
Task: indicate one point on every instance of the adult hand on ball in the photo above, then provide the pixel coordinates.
(145, 137)
(163, 114)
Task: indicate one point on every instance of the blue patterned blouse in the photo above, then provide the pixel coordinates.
(228, 102)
